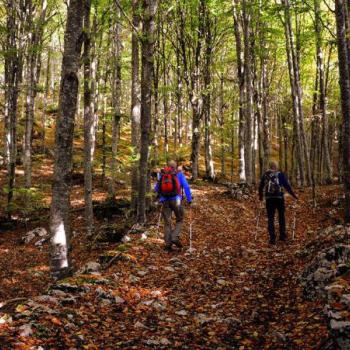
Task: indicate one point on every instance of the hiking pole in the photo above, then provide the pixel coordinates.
(190, 250)
(294, 224)
(258, 212)
(159, 220)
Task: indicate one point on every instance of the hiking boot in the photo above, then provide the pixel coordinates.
(272, 241)
(282, 238)
(177, 243)
(168, 248)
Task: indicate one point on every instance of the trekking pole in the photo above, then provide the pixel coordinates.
(190, 250)
(258, 212)
(159, 220)
(294, 224)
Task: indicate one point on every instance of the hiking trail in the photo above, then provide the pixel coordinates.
(232, 292)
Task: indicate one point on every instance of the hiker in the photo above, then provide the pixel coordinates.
(170, 187)
(272, 183)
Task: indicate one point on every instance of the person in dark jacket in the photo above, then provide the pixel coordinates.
(272, 184)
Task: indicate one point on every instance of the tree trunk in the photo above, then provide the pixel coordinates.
(209, 163)
(13, 78)
(222, 126)
(149, 9)
(322, 92)
(135, 105)
(116, 100)
(295, 90)
(241, 82)
(32, 77)
(46, 98)
(249, 115)
(343, 42)
(88, 123)
(59, 217)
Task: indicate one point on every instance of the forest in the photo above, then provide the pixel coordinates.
(104, 101)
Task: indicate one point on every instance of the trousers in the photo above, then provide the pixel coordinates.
(172, 234)
(273, 204)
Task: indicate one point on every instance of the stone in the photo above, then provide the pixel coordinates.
(47, 299)
(25, 330)
(90, 267)
(164, 341)
(142, 273)
(119, 300)
(133, 279)
(70, 288)
(138, 324)
(169, 268)
(181, 313)
(28, 237)
(40, 242)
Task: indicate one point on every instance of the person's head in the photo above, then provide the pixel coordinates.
(273, 166)
(172, 164)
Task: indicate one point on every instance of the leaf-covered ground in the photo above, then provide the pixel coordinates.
(232, 292)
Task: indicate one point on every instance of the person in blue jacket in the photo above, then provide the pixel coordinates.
(272, 184)
(172, 204)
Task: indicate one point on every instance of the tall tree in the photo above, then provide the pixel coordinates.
(343, 25)
(296, 92)
(36, 21)
(60, 205)
(241, 84)
(135, 102)
(207, 79)
(88, 122)
(116, 98)
(149, 9)
(14, 51)
(322, 99)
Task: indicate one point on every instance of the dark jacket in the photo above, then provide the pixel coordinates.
(283, 182)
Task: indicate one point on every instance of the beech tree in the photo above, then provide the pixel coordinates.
(149, 9)
(342, 20)
(60, 205)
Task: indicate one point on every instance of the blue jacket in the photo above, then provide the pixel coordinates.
(184, 185)
(283, 182)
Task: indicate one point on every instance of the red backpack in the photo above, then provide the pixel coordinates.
(169, 184)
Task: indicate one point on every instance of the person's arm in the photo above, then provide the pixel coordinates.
(186, 187)
(285, 183)
(261, 187)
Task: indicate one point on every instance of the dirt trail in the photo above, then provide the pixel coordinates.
(232, 292)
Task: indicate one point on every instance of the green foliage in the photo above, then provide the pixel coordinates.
(26, 201)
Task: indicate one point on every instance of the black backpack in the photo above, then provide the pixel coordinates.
(273, 187)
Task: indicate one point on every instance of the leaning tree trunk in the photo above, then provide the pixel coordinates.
(135, 105)
(59, 216)
(149, 9)
(88, 123)
(342, 13)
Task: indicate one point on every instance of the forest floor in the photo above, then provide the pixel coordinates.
(231, 292)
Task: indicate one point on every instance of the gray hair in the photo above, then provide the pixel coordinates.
(172, 164)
